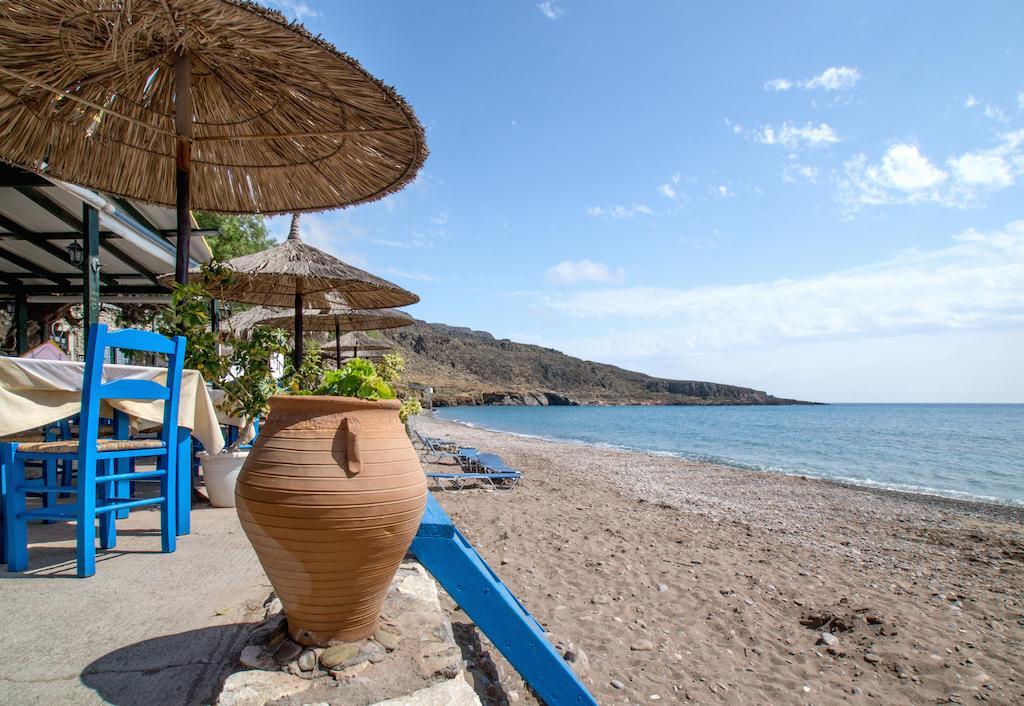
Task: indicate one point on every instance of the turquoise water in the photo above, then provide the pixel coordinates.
(965, 451)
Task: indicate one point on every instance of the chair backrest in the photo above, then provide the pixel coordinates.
(94, 390)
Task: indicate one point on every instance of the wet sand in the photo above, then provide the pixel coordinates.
(687, 582)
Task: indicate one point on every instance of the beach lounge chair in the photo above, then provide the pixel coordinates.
(467, 578)
(464, 456)
(425, 442)
(457, 481)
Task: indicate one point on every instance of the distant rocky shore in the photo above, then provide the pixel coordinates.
(466, 367)
(554, 399)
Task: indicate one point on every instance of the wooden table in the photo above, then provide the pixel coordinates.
(35, 392)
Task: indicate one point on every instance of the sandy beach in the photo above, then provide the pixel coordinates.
(690, 582)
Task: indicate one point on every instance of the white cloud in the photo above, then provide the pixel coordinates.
(971, 101)
(1020, 101)
(619, 211)
(988, 169)
(403, 274)
(905, 168)
(668, 189)
(417, 239)
(550, 9)
(440, 219)
(975, 283)
(834, 78)
(905, 175)
(778, 84)
(723, 191)
(994, 112)
(793, 136)
(575, 272)
(795, 170)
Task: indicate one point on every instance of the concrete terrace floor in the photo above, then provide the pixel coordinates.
(147, 628)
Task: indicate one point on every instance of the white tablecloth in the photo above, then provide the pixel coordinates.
(38, 392)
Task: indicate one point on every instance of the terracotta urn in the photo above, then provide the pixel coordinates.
(331, 497)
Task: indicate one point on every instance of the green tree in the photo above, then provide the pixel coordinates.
(239, 235)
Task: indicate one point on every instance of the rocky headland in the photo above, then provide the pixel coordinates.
(468, 367)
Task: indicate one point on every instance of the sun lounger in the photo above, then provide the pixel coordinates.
(457, 481)
(465, 456)
(427, 442)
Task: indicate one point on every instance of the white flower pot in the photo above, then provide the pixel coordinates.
(220, 472)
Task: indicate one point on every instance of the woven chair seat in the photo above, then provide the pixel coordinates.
(105, 430)
(71, 446)
(23, 438)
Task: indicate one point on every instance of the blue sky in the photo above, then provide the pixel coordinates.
(821, 200)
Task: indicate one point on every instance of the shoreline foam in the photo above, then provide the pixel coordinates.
(880, 486)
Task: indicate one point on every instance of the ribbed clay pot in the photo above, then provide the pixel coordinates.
(331, 497)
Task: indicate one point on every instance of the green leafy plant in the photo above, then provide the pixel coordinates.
(357, 378)
(248, 382)
(188, 315)
(410, 408)
(309, 375)
(391, 367)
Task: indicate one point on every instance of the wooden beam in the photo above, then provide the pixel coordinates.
(183, 125)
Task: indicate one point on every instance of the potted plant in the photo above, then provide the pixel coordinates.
(244, 376)
(331, 497)
(248, 385)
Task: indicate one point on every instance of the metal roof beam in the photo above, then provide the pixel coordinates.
(58, 211)
(34, 269)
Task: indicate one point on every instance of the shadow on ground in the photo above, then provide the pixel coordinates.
(186, 668)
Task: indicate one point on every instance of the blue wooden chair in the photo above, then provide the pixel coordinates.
(457, 566)
(99, 481)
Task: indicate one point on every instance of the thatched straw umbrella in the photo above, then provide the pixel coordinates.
(355, 341)
(136, 98)
(335, 319)
(294, 273)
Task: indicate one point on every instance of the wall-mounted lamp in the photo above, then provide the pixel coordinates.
(75, 253)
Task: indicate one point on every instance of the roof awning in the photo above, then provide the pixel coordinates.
(40, 218)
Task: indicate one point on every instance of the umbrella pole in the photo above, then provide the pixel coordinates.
(298, 329)
(337, 342)
(183, 161)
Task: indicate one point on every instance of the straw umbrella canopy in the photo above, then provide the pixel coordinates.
(137, 98)
(296, 274)
(334, 319)
(355, 341)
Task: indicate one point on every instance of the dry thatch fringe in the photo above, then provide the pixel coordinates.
(273, 276)
(284, 121)
(357, 340)
(347, 319)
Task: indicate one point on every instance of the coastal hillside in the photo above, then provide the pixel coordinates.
(472, 367)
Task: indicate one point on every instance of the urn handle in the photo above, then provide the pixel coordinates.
(354, 449)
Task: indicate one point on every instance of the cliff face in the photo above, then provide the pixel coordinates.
(472, 367)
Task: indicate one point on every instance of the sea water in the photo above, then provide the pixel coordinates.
(969, 451)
